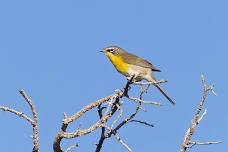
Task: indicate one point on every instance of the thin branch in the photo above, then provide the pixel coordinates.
(123, 143)
(149, 83)
(194, 143)
(63, 134)
(144, 102)
(118, 116)
(128, 119)
(143, 91)
(88, 107)
(212, 89)
(114, 131)
(119, 139)
(125, 121)
(197, 118)
(20, 114)
(143, 122)
(92, 128)
(35, 120)
(71, 147)
(202, 116)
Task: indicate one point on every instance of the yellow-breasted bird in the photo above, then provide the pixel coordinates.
(131, 65)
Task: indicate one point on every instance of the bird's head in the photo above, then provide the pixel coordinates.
(112, 51)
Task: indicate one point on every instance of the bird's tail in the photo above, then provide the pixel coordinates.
(163, 92)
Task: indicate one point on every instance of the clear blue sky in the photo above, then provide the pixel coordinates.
(50, 49)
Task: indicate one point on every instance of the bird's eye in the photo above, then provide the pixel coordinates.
(111, 51)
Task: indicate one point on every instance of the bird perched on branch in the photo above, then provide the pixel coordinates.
(131, 65)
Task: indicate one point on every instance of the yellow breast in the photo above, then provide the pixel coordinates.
(118, 62)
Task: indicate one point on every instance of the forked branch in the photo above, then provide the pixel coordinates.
(114, 104)
(33, 122)
(187, 143)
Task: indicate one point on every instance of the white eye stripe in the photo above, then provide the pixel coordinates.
(111, 50)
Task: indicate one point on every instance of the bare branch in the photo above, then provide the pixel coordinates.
(113, 105)
(88, 107)
(63, 134)
(193, 143)
(20, 114)
(149, 83)
(71, 147)
(211, 88)
(196, 119)
(201, 117)
(66, 121)
(123, 143)
(143, 122)
(104, 119)
(144, 102)
(143, 91)
(35, 120)
(118, 117)
(125, 121)
(119, 139)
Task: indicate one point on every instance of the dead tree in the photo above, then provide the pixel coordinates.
(106, 108)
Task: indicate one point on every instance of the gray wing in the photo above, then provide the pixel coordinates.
(135, 60)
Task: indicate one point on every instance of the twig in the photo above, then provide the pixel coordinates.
(196, 119)
(118, 117)
(123, 143)
(119, 139)
(71, 147)
(20, 114)
(143, 90)
(144, 102)
(193, 143)
(35, 120)
(211, 88)
(201, 117)
(149, 83)
(143, 122)
(125, 121)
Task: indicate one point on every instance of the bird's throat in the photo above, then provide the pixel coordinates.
(119, 63)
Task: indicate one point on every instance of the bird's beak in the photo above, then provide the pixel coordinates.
(102, 50)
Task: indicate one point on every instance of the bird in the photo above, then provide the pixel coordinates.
(131, 65)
